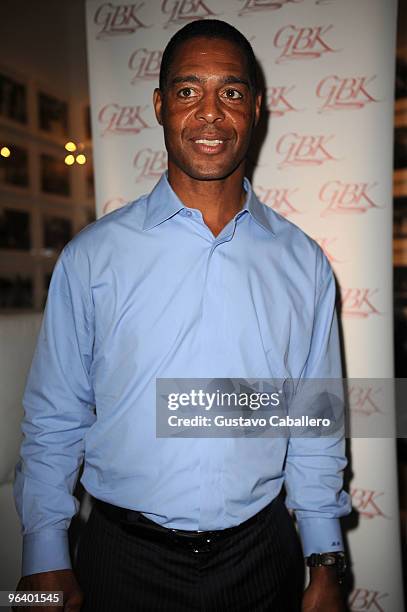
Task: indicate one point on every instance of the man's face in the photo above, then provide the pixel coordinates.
(207, 110)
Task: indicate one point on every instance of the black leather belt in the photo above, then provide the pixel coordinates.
(135, 523)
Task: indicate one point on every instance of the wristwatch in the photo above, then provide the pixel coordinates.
(329, 559)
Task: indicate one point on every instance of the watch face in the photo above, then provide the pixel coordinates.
(329, 560)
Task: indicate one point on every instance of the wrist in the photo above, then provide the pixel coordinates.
(326, 575)
(330, 566)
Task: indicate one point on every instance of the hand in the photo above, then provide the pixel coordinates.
(57, 580)
(323, 593)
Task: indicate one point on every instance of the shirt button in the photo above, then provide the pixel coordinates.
(188, 213)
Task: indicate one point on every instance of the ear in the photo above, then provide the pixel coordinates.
(157, 103)
(257, 108)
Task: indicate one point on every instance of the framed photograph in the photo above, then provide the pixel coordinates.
(55, 177)
(52, 115)
(57, 231)
(15, 229)
(13, 99)
(14, 169)
(16, 291)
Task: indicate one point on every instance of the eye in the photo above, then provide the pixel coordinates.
(186, 92)
(232, 94)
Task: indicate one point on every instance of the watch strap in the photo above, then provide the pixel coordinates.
(337, 560)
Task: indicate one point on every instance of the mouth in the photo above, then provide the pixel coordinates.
(209, 145)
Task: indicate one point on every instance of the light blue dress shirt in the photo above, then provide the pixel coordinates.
(148, 292)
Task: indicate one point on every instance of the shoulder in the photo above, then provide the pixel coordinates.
(96, 245)
(294, 241)
(300, 255)
(111, 223)
(102, 234)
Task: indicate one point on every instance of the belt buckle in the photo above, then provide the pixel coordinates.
(196, 545)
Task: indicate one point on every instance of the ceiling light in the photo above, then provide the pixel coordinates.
(69, 160)
(70, 146)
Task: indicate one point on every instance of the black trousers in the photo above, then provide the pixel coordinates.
(258, 569)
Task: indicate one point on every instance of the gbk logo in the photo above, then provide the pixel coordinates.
(277, 101)
(118, 119)
(145, 65)
(365, 502)
(149, 164)
(278, 199)
(113, 204)
(251, 6)
(182, 11)
(303, 150)
(327, 245)
(344, 93)
(339, 197)
(358, 303)
(367, 600)
(302, 43)
(365, 400)
(118, 19)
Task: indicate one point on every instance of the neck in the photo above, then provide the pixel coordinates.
(218, 200)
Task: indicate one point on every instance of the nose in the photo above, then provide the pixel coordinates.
(210, 109)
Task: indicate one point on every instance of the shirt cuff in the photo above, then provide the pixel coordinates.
(319, 535)
(45, 550)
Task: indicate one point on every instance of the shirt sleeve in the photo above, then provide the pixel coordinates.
(58, 410)
(314, 465)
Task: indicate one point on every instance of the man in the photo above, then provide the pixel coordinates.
(196, 280)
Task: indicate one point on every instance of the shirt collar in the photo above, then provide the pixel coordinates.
(256, 208)
(163, 203)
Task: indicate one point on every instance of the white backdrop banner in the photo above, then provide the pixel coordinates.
(325, 163)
